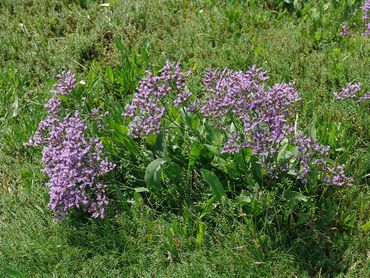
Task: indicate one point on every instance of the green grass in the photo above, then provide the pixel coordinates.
(143, 242)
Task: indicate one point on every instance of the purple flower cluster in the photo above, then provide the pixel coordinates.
(72, 162)
(65, 85)
(240, 99)
(365, 20)
(344, 31)
(366, 17)
(337, 176)
(251, 114)
(148, 106)
(260, 119)
(351, 91)
(366, 8)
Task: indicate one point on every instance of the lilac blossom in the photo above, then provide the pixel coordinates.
(365, 97)
(52, 106)
(148, 105)
(350, 91)
(365, 9)
(344, 31)
(65, 85)
(263, 120)
(366, 17)
(73, 162)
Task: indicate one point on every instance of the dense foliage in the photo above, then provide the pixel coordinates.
(248, 157)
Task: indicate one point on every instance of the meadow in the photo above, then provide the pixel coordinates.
(146, 164)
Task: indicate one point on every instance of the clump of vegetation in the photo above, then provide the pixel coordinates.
(218, 170)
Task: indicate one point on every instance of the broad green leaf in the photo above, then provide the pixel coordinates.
(206, 206)
(12, 272)
(366, 227)
(160, 145)
(141, 189)
(257, 171)
(194, 154)
(110, 74)
(200, 235)
(119, 44)
(332, 135)
(214, 182)
(214, 150)
(294, 197)
(14, 107)
(153, 172)
(120, 136)
(244, 200)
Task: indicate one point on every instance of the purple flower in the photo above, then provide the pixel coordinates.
(344, 31)
(65, 85)
(52, 106)
(350, 91)
(365, 17)
(366, 8)
(148, 105)
(263, 119)
(365, 97)
(72, 161)
(73, 164)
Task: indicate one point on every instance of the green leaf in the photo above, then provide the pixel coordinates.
(110, 76)
(242, 200)
(14, 107)
(366, 227)
(214, 150)
(294, 197)
(160, 145)
(153, 172)
(214, 182)
(141, 189)
(120, 136)
(257, 171)
(12, 272)
(119, 45)
(200, 235)
(194, 155)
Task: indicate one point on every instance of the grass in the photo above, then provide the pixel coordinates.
(39, 38)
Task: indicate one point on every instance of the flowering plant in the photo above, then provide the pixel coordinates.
(251, 116)
(72, 161)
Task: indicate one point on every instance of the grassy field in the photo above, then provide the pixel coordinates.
(109, 47)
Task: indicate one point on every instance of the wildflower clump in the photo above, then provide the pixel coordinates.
(251, 115)
(365, 8)
(261, 118)
(72, 161)
(366, 17)
(148, 106)
(351, 91)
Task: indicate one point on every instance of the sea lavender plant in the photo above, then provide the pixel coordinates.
(251, 115)
(365, 9)
(365, 21)
(148, 106)
(352, 91)
(366, 17)
(349, 92)
(344, 31)
(65, 85)
(73, 162)
(261, 119)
